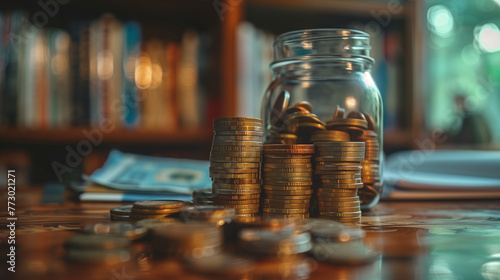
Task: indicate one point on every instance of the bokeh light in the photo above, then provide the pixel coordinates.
(440, 20)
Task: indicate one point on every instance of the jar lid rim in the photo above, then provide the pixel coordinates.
(330, 32)
(322, 58)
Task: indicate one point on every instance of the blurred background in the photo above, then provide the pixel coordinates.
(79, 78)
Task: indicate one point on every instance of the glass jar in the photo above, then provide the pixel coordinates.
(324, 74)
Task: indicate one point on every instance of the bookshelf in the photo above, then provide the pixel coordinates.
(169, 19)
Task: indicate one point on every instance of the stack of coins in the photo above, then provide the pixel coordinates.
(371, 166)
(287, 180)
(152, 209)
(202, 197)
(355, 123)
(187, 240)
(98, 249)
(235, 164)
(120, 213)
(210, 214)
(338, 170)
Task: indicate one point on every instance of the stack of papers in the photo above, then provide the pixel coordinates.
(447, 174)
(131, 177)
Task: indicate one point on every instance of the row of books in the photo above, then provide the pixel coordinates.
(100, 71)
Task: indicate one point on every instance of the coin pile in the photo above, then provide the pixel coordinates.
(98, 249)
(274, 243)
(341, 246)
(202, 197)
(210, 214)
(120, 213)
(153, 209)
(338, 171)
(287, 180)
(235, 164)
(292, 125)
(187, 240)
(123, 229)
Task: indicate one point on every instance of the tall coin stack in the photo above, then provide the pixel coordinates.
(287, 180)
(371, 165)
(235, 164)
(338, 168)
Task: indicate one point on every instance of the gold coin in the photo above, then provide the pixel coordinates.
(343, 175)
(159, 204)
(334, 196)
(341, 214)
(288, 192)
(245, 211)
(251, 165)
(287, 206)
(271, 175)
(214, 159)
(236, 123)
(335, 135)
(235, 181)
(288, 149)
(287, 165)
(335, 191)
(326, 169)
(340, 154)
(121, 210)
(305, 105)
(341, 181)
(342, 186)
(340, 144)
(238, 128)
(353, 203)
(285, 216)
(235, 192)
(236, 197)
(336, 123)
(165, 211)
(338, 209)
(235, 176)
(236, 186)
(288, 183)
(234, 201)
(239, 119)
(289, 170)
(287, 197)
(355, 220)
(286, 188)
(233, 148)
(249, 206)
(284, 180)
(285, 211)
(285, 202)
(233, 170)
(237, 138)
(346, 199)
(239, 133)
(236, 154)
(238, 143)
(268, 160)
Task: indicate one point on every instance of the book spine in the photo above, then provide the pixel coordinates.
(131, 52)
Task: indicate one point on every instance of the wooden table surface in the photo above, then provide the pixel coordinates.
(417, 240)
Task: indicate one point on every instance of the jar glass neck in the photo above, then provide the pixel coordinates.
(331, 42)
(321, 68)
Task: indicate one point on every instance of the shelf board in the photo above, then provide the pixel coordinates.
(120, 137)
(342, 7)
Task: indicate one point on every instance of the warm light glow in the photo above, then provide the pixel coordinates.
(143, 72)
(351, 102)
(488, 38)
(440, 20)
(105, 65)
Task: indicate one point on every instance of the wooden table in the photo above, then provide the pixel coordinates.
(418, 240)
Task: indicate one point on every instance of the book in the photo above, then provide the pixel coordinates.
(131, 52)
